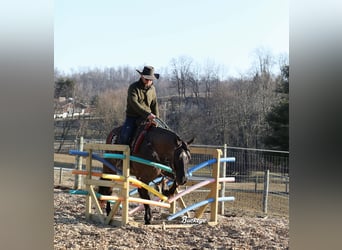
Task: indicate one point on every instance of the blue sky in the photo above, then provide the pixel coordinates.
(109, 33)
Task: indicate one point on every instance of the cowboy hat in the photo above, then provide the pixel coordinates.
(148, 73)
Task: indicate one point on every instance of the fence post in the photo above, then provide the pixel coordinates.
(60, 175)
(266, 188)
(78, 177)
(256, 183)
(286, 185)
(223, 184)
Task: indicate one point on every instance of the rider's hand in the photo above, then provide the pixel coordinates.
(151, 117)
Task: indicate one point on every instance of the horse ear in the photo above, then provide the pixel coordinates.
(191, 141)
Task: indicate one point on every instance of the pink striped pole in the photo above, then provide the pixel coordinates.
(190, 189)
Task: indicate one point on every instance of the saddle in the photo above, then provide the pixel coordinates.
(141, 135)
(113, 137)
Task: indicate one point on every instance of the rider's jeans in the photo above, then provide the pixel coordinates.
(127, 130)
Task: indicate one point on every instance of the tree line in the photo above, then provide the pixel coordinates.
(194, 100)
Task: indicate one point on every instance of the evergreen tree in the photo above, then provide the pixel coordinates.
(64, 88)
(278, 117)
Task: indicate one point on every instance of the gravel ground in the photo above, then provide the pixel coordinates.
(233, 231)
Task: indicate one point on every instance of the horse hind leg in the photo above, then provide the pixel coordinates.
(108, 208)
(143, 193)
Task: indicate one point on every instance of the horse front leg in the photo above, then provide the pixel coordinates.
(143, 193)
(105, 191)
(171, 190)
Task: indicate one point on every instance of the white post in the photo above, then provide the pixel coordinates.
(78, 177)
(266, 188)
(60, 175)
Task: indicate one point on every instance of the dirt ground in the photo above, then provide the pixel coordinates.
(234, 230)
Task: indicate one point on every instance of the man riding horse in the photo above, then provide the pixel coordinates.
(158, 144)
(141, 103)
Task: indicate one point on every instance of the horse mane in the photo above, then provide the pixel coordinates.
(170, 132)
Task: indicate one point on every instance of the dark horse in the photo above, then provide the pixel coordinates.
(158, 145)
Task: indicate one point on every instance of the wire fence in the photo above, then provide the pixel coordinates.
(259, 175)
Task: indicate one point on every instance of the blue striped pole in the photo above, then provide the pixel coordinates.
(198, 204)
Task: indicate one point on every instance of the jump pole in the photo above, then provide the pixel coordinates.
(198, 204)
(141, 206)
(134, 199)
(198, 185)
(148, 188)
(209, 162)
(97, 157)
(190, 189)
(135, 182)
(150, 202)
(143, 161)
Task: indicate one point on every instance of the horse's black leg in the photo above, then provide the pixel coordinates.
(105, 191)
(165, 188)
(157, 186)
(160, 186)
(148, 214)
(108, 209)
(171, 190)
(143, 193)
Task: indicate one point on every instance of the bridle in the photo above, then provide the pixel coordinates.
(181, 147)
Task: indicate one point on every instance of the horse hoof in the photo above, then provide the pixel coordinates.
(166, 193)
(147, 222)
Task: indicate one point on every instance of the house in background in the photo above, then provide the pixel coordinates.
(69, 108)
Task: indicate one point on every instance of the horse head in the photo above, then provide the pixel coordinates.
(181, 159)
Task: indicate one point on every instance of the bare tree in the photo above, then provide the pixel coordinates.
(65, 130)
(111, 109)
(181, 74)
(266, 96)
(210, 76)
(263, 61)
(194, 82)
